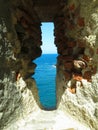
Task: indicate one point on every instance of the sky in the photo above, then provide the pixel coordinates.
(48, 45)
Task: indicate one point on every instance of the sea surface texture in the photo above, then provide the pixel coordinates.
(45, 76)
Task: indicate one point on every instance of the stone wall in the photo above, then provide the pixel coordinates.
(76, 34)
(20, 40)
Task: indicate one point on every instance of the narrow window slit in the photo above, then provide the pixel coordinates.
(45, 74)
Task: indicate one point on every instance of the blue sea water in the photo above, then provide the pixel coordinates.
(45, 76)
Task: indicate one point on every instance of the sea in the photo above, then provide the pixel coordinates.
(45, 76)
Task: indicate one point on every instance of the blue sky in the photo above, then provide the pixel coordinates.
(48, 45)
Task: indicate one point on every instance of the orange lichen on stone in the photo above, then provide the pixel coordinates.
(86, 58)
(77, 77)
(18, 76)
(87, 75)
(80, 21)
(72, 90)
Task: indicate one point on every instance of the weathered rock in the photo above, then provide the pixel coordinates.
(76, 36)
(18, 98)
(78, 98)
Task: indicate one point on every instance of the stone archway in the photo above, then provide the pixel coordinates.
(76, 34)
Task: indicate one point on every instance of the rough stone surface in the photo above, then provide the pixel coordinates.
(76, 36)
(47, 120)
(18, 97)
(77, 63)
